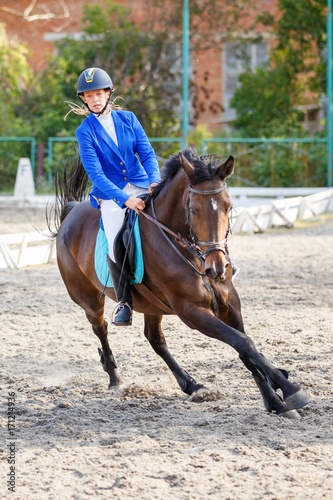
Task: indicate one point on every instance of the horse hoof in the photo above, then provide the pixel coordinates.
(187, 383)
(114, 386)
(193, 387)
(297, 400)
(115, 380)
(292, 414)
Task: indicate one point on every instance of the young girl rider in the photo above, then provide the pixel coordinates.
(109, 140)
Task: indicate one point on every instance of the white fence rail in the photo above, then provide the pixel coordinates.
(25, 249)
(281, 212)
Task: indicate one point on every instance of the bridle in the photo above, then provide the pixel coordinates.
(212, 245)
(194, 247)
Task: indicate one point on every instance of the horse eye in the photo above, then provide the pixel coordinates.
(193, 211)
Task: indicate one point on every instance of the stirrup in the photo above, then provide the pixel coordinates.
(122, 314)
(235, 270)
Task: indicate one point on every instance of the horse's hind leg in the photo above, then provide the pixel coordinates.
(154, 334)
(107, 359)
(95, 316)
(87, 296)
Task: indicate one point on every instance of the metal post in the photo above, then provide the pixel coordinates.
(185, 86)
(33, 156)
(40, 163)
(329, 94)
(50, 158)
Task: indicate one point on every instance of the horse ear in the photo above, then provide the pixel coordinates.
(189, 169)
(227, 168)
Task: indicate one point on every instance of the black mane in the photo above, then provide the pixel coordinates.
(205, 168)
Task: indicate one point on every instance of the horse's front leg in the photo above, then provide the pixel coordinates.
(267, 376)
(155, 336)
(272, 400)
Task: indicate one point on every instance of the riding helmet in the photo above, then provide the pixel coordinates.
(93, 79)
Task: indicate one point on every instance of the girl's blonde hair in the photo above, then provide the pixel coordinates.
(84, 111)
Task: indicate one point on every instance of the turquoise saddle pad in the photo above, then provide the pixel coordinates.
(102, 249)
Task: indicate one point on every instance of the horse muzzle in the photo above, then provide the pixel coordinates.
(216, 265)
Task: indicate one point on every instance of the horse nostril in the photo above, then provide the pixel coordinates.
(210, 273)
(220, 270)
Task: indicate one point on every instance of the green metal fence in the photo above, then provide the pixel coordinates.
(275, 161)
(52, 141)
(11, 150)
(32, 142)
(259, 162)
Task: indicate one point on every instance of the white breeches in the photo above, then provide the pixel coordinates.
(113, 215)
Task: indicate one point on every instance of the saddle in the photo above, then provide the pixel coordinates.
(127, 238)
(127, 246)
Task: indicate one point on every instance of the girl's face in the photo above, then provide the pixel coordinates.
(96, 100)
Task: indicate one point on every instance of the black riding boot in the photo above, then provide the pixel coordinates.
(122, 313)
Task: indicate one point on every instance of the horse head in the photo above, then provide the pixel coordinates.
(208, 204)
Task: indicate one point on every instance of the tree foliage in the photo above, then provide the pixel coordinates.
(16, 77)
(300, 31)
(264, 104)
(267, 98)
(144, 59)
(142, 64)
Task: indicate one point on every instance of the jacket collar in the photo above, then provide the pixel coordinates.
(106, 137)
(119, 126)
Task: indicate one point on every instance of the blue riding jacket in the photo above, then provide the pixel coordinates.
(110, 167)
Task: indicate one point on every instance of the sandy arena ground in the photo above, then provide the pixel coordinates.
(74, 439)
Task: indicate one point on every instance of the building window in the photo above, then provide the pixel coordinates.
(238, 57)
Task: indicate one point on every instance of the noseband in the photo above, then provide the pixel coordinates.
(213, 245)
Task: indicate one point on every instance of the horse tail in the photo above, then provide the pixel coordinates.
(71, 187)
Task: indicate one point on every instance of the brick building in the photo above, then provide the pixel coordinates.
(39, 23)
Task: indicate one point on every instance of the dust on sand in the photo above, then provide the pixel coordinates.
(76, 439)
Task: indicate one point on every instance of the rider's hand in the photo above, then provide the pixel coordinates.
(152, 187)
(135, 204)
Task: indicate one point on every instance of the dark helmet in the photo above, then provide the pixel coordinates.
(93, 79)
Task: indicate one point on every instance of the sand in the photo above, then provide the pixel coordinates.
(74, 439)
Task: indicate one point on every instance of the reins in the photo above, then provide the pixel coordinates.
(179, 239)
(194, 247)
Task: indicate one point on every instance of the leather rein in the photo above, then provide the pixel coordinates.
(194, 247)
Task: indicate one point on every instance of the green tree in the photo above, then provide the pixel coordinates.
(300, 31)
(144, 59)
(142, 64)
(267, 98)
(15, 70)
(16, 76)
(264, 103)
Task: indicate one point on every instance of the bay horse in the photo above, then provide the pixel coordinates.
(188, 271)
